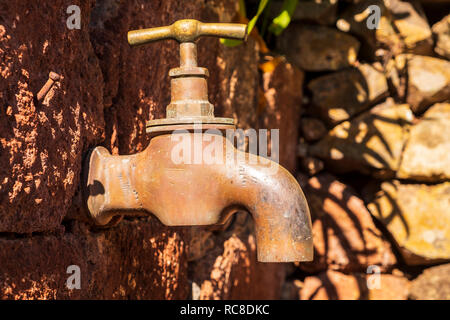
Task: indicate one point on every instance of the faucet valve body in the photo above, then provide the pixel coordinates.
(189, 89)
(188, 194)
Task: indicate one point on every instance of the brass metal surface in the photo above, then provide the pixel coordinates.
(188, 30)
(189, 193)
(186, 194)
(189, 89)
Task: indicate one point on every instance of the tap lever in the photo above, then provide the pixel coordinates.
(188, 30)
(189, 89)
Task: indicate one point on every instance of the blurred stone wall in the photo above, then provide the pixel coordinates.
(374, 150)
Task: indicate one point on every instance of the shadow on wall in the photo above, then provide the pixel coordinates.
(345, 237)
(371, 143)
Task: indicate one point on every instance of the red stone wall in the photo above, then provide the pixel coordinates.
(107, 92)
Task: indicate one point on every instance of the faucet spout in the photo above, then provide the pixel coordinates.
(280, 213)
(187, 194)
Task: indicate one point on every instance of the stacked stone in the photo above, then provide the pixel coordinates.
(377, 117)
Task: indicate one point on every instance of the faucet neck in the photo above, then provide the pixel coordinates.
(189, 107)
(188, 54)
(189, 104)
(189, 87)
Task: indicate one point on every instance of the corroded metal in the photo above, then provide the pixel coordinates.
(189, 89)
(189, 193)
(52, 78)
(188, 30)
(203, 194)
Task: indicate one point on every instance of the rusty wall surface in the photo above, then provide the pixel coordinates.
(107, 92)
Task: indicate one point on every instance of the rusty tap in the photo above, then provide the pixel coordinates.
(186, 193)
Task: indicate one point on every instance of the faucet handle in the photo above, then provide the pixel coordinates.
(189, 103)
(188, 30)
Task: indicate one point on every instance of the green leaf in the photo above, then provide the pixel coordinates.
(261, 7)
(281, 22)
(251, 24)
(230, 42)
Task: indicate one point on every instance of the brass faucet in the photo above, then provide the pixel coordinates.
(186, 193)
